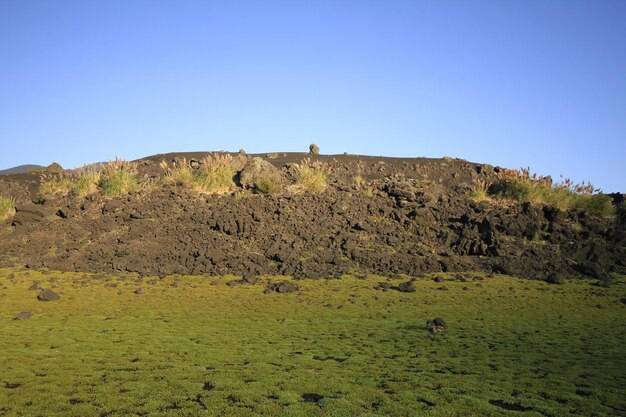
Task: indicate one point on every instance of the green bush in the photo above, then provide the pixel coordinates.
(215, 175)
(81, 183)
(311, 176)
(599, 204)
(7, 208)
(118, 178)
(267, 186)
(519, 185)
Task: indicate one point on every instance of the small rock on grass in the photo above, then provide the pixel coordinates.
(311, 397)
(48, 295)
(408, 286)
(24, 315)
(281, 287)
(437, 325)
(250, 279)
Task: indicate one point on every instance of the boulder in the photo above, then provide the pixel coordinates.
(257, 172)
(437, 325)
(48, 295)
(408, 286)
(314, 149)
(24, 315)
(281, 287)
(250, 278)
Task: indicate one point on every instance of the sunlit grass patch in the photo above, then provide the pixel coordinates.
(118, 177)
(214, 175)
(209, 349)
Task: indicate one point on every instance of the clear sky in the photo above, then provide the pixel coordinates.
(511, 83)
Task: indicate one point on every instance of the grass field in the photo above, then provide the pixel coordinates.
(336, 348)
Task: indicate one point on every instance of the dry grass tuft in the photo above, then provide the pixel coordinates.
(522, 186)
(214, 176)
(311, 176)
(180, 174)
(480, 190)
(7, 208)
(118, 178)
(82, 182)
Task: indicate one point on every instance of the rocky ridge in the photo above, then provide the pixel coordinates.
(378, 215)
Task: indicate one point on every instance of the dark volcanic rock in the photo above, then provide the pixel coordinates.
(437, 325)
(24, 315)
(48, 295)
(281, 287)
(250, 279)
(408, 286)
(383, 216)
(311, 397)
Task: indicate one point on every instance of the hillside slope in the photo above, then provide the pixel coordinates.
(378, 215)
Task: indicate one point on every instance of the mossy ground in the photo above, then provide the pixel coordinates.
(514, 347)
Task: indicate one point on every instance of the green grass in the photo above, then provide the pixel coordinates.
(311, 177)
(200, 349)
(7, 208)
(215, 175)
(524, 190)
(118, 178)
(267, 186)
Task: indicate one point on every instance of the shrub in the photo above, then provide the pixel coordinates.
(215, 175)
(520, 185)
(87, 180)
(7, 208)
(181, 174)
(599, 204)
(61, 184)
(267, 186)
(82, 182)
(118, 178)
(480, 190)
(311, 176)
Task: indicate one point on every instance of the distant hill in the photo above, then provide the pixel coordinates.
(19, 169)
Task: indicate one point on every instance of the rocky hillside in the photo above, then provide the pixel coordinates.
(377, 215)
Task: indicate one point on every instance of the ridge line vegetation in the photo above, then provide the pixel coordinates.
(525, 187)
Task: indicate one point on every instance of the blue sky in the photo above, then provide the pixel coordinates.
(511, 83)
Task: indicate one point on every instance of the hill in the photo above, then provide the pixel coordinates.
(313, 216)
(21, 169)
